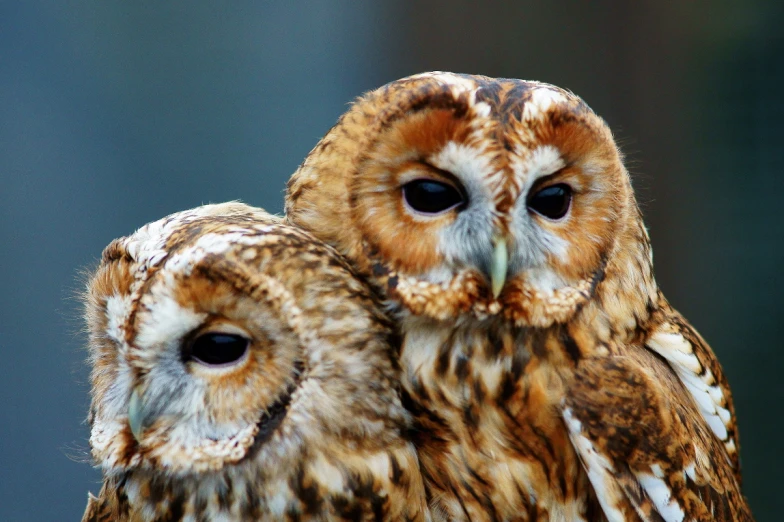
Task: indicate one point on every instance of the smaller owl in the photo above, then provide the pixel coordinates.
(240, 371)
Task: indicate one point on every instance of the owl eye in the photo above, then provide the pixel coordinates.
(551, 202)
(218, 349)
(431, 197)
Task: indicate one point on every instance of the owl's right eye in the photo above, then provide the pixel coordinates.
(432, 197)
(218, 349)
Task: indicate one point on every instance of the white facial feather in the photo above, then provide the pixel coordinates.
(545, 279)
(467, 241)
(167, 321)
(118, 308)
(468, 164)
(529, 166)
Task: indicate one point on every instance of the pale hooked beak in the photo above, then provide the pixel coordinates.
(136, 414)
(499, 265)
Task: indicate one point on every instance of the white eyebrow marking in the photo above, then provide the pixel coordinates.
(541, 100)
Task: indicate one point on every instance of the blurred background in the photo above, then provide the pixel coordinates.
(113, 114)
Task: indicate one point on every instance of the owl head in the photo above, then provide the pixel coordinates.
(222, 339)
(464, 194)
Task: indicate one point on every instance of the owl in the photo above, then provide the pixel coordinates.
(241, 371)
(549, 376)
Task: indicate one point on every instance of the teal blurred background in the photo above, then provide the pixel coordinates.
(116, 113)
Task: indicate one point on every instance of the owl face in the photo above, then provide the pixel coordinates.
(195, 356)
(470, 193)
(230, 351)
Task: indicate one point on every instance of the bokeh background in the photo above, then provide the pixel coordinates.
(113, 114)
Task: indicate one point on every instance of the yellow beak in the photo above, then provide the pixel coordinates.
(499, 265)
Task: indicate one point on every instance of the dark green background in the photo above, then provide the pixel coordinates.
(115, 113)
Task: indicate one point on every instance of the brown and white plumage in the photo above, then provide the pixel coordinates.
(241, 371)
(550, 378)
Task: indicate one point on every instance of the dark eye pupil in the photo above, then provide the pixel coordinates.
(552, 202)
(431, 197)
(216, 348)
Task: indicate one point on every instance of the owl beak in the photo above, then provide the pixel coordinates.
(136, 413)
(499, 265)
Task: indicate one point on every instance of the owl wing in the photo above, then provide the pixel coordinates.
(699, 370)
(647, 451)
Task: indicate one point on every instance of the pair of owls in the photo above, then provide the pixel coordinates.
(456, 320)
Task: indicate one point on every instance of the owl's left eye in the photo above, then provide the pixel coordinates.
(431, 197)
(218, 349)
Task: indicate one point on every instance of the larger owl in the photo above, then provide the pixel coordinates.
(242, 372)
(550, 377)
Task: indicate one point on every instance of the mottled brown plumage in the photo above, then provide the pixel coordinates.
(550, 378)
(241, 371)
